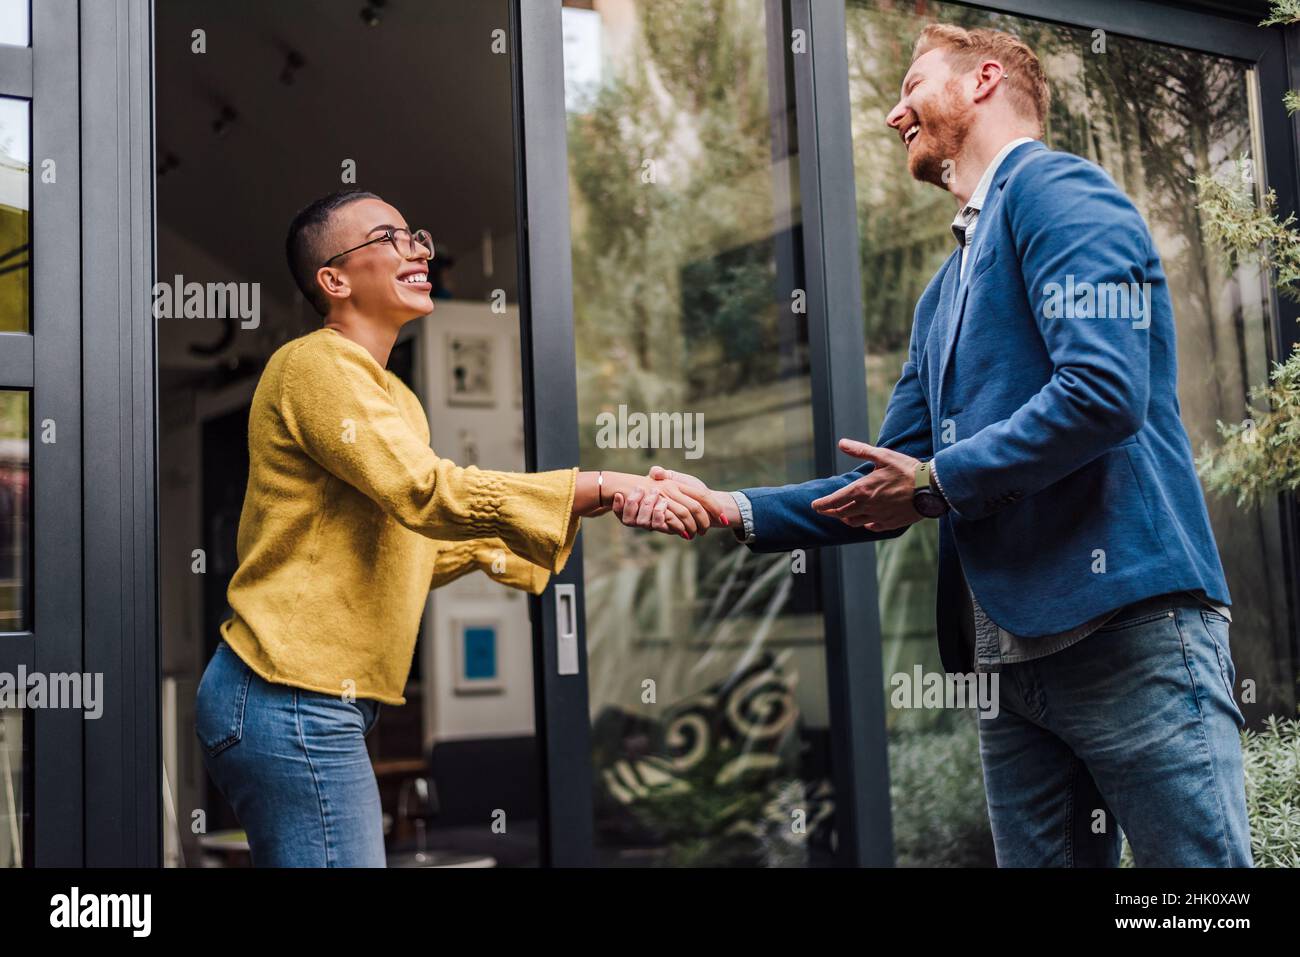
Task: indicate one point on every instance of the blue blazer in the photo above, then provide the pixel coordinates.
(1054, 428)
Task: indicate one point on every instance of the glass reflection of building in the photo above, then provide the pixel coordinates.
(1154, 117)
(679, 285)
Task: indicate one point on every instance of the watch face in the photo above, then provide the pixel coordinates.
(928, 504)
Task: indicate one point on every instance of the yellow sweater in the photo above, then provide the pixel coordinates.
(350, 518)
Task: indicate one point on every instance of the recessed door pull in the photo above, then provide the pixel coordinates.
(566, 629)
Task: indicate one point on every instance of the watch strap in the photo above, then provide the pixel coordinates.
(921, 475)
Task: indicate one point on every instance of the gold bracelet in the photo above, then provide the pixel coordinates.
(600, 488)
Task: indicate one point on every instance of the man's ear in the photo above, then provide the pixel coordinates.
(987, 77)
(334, 283)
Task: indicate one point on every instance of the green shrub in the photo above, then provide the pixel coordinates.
(937, 795)
(1272, 759)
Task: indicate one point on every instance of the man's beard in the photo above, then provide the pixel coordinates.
(945, 128)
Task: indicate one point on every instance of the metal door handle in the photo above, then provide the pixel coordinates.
(566, 629)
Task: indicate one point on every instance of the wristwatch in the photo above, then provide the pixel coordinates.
(926, 498)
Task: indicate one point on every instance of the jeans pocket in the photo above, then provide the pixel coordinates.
(220, 701)
(373, 718)
(1216, 626)
(1120, 624)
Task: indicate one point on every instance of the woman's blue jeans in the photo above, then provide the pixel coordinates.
(293, 764)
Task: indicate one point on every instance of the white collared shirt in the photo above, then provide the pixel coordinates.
(968, 215)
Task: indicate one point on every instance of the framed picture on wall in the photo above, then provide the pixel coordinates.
(478, 663)
(469, 370)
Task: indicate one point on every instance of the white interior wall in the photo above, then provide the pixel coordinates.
(490, 437)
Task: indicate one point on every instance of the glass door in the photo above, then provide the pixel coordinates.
(674, 320)
(706, 663)
(720, 258)
(1154, 116)
(41, 689)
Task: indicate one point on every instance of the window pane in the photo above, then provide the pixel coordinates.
(1153, 117)
(707, 668)
(15, 22)
(15, 510)
(15, 215)
(13, 770)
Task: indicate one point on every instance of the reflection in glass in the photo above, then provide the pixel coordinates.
(706, 663)
(15, 22)
(15, 215)
(13, 809)
(1153, 117)
(15, 510)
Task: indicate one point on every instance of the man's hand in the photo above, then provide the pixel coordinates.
(645, 508)
(880, 501)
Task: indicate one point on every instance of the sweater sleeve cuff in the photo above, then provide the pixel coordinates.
(571, 533)
(532, 512)
(503, 566)
(541, 578)
(541, 575)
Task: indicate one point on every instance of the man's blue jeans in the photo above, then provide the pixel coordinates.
(1133, 727)
(293, 764)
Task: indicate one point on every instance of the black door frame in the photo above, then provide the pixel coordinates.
(850, 600)
(551, 423)
(123, 751)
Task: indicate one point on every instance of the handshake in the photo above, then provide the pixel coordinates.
(883, 499)
(675, 503)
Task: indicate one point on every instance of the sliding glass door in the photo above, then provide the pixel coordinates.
(726, 164)
(717, 706)
(706, 663)
(1154, 115)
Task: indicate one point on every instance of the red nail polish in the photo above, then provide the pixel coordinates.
(724, 519)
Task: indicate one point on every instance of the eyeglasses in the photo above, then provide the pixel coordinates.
(403, 240)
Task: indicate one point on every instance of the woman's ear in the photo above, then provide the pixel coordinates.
(334, 282)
